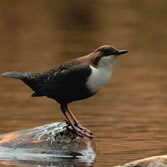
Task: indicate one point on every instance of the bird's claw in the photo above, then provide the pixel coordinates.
(83, 128)
(79, 130)
(85, 133)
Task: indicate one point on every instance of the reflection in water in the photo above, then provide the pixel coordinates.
(43, 163)
(129, 115)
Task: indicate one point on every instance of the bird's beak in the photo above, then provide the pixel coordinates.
(120, 52)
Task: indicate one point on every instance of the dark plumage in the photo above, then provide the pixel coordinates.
(60, 83)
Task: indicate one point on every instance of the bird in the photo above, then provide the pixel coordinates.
(74, 80)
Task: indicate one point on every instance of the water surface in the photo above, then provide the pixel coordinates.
(129, 115)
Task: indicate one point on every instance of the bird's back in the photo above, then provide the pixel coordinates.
(65, 83)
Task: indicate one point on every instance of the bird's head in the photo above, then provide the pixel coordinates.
(105, 56)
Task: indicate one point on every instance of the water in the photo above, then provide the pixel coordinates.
(129, 115)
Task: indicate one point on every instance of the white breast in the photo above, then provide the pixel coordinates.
(98, 78)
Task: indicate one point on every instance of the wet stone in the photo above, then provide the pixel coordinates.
(156, 161)
(53, 140)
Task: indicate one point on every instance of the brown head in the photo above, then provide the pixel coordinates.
(105, 55)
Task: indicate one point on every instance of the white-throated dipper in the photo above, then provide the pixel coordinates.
(74, 80)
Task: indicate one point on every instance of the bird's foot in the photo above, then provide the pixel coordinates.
(83, 128)
(79, 130)
(82, 133)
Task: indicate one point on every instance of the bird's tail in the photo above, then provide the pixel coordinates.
(31, 79)
(17, 75)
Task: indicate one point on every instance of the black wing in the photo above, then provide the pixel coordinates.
(63, 77)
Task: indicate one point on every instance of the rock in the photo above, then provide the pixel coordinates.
(156, 161)
(49, 144)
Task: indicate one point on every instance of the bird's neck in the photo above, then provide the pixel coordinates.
(106, 63)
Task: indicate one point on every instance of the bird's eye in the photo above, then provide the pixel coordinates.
(106, 52)
(103, 50)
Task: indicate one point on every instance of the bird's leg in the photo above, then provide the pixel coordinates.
(80, 133)
(64, 110)
(76, 123)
